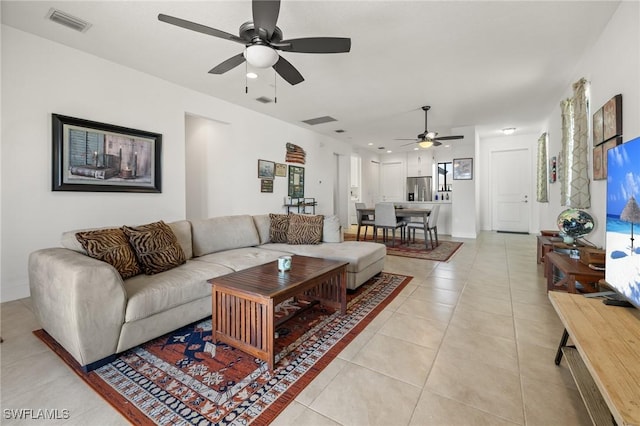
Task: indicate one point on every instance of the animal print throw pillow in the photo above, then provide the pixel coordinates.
(156, 247)
(111, 246)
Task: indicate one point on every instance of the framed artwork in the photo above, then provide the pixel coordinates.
(598, 127)
(266, 169)
(597, 163)
(266, 185)
(97, 157)
(605, 150)
(612, 118)
(462, 168)
(281, 170)
(296, 182)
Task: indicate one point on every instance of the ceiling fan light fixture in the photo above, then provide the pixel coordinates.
(261, 56)
(425, 144)
(430, 135)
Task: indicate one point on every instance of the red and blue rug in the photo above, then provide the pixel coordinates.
(185, 378)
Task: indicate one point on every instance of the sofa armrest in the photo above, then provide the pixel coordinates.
(79, 301)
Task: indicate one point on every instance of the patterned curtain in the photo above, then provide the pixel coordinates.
(542, 175)
(564, 172)
(574, 188)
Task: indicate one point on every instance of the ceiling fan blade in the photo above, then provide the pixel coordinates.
(227, 65)
(448, 138)
(288, 71)
(315, 45)
(265, 16)
(405, 139)
(436, 142)
(407, 144)
(199, 28)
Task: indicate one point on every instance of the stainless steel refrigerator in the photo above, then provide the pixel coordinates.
(419, 188)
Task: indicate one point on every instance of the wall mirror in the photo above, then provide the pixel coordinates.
(444, 176)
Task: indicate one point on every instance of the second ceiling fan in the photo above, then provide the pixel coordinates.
(262, 39)
(427, 139)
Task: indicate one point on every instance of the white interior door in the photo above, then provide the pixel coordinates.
(392, 181)
(510, 189)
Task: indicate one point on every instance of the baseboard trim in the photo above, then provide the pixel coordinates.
(512, 232)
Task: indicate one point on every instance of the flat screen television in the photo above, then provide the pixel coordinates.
(623, 220)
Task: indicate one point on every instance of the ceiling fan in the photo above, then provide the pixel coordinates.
(262, 38)
(427, 139)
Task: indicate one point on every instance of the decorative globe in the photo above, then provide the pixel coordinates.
(574, 224)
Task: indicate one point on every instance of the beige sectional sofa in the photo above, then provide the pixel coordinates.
(86, 306)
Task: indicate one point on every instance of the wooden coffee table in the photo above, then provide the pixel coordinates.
(243, 302)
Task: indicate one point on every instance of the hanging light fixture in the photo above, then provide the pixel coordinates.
(426, 144)
(261, 56)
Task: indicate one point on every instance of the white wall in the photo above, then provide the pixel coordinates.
(612, 65)
(40, 77)
(464, 206)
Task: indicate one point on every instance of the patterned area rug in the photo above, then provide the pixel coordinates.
(442, 253)
(183, 378)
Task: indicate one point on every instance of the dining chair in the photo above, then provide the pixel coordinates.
(363, 220)
(432, 224)
(386, 219)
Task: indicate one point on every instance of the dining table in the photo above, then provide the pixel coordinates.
(401, 212)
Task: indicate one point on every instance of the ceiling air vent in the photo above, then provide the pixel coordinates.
(340, 131)
(264, 100)
(67, 20)
(319, 120)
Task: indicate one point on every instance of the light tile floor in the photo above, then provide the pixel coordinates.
(468, 342)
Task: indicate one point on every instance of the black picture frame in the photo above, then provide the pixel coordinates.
(266, 169)
(89, 156)
(463, 169)
(296, 182)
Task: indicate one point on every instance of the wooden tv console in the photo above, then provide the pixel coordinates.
(605, 362)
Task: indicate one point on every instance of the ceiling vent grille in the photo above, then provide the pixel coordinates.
(264, 100)
(340, 131)
(319, 120)
(69, 21)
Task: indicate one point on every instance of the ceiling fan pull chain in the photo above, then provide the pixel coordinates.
(275, 87)
(246, 79)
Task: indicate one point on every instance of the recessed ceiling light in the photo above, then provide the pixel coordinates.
(370, 144)
(509, 130)
(252, 75)
(389, 151)
(416, 148)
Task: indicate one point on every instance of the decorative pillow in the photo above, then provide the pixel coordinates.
(332, 230)
(305, 229)
(156, 247)
(278, 228)
(111, 246)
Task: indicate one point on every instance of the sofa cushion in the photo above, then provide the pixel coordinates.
(242, 258)
(305, 229)
(263, 223)
(279, 226)
(111, 246)
(151, 294)
(332, 230)
(182, 230)
(156, 247)
(223, 233)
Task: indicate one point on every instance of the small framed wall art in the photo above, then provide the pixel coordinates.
(266, 169)
(598, 127)
(296, 182)
(462, 168)
(281, 170)
(612, 118)
(597, 163)
(266, 185)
